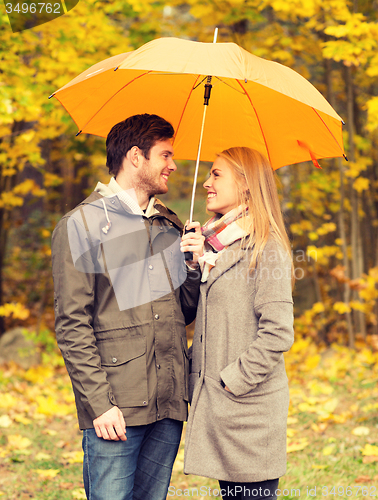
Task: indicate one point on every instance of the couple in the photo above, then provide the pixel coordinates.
(123, 296)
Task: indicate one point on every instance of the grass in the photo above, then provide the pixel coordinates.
(333, 420)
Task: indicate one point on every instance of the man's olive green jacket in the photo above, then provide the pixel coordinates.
(122, 299)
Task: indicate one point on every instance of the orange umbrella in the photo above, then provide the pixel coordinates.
(254, 102)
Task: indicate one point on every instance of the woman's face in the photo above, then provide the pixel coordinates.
(222, 192)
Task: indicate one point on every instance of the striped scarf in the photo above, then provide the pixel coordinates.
(219, 232)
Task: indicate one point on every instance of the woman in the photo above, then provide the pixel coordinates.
(236, 431)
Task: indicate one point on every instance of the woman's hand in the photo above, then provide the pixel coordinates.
(193, 242)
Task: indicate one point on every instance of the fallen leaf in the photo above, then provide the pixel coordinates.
(8, 401)
(328, 450)
(321, 427)
(361, 431)
(47, 473)
(319, 467)
(50, 432)
(369, 460)
(79, 494)
(73, 457)
(301, 444)
(292, 421)
(65, 486)
(5, 421)
(42, 456)
(291, 432)
(22, 420)
(370, 449)
(18, 442)
(362, 479)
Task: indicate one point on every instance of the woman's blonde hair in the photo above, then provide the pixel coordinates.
(257, 190)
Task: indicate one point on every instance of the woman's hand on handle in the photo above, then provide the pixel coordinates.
(193, 242)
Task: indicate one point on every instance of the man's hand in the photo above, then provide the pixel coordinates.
(111, 425)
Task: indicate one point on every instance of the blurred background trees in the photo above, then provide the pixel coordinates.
(331, 214)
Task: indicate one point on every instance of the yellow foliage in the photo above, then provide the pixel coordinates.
(372, 109)
(18, 442)
(5, 421)
(326, 228)
(39, 374)
(369, 450)
(321, 255)
(49, 406)
(73, 457)
(22, 419)
(318, 307)
(301, 444)
(342, 307)
(316, 387)
(328, 450)
(79, 494)
(8, 401)
(18, 310)
(361, 431)
(292, 421)
(359, 306)
(42, 456)
(312, 362)
(9, 200)
(51, 180)
(361, 184)
(369, 407)
(46, 473)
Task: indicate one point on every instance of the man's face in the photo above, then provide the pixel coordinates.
(154, 173)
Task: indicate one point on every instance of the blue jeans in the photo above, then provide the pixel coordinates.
(137, 469)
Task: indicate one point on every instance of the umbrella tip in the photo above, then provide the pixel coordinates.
(342, 121)
(115, 69)
(345, 156)
(80, 131)
(52, 95)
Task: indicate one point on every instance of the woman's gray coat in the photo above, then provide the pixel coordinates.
(244, 324)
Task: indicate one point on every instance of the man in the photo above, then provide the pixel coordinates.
(122, 299)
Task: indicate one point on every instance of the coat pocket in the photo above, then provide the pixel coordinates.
(124, 360)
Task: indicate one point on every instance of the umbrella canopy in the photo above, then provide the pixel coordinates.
(254, 102)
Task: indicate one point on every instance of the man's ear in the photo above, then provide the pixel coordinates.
(134, 155)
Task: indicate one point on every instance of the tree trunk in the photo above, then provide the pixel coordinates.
(343, 237)
(342, 214)
(356, 242)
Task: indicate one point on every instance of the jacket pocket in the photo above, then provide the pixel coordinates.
(124, 360)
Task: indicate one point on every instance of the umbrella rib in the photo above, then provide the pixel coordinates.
(258, 120)
(184, 108)
(118, 91)
(326, 126)
(233, 88)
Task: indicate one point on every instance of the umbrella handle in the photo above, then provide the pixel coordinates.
(189, 255)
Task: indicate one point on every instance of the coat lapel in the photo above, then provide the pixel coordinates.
(229, 258)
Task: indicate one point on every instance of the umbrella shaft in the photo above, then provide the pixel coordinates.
(197, 165)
